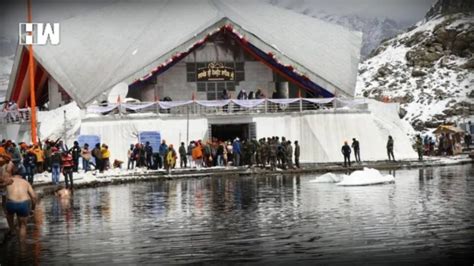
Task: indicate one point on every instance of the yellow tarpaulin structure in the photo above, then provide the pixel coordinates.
(445, 129)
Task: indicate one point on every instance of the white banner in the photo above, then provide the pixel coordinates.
(249, 103)
(217, 103)
(172, 104)
(101, 109)
(318, 100)
(137, 106)
(284, 101)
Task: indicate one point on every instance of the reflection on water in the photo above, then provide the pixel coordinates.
(426, 216)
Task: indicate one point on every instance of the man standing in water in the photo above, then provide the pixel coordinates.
(21, 200)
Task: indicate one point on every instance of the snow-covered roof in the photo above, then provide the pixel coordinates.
(126, 40)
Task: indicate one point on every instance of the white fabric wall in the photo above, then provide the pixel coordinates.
(119, 134)
(321, 136)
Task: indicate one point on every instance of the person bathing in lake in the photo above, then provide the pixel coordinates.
(21, 201)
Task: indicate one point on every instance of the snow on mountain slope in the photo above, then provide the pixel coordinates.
(6, 64)
(429, 70)
(374, 29)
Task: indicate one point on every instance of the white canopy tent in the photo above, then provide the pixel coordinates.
(127, 40)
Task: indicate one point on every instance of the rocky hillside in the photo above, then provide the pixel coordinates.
(429, 70)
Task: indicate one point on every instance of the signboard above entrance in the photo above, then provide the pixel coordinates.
(215, 71)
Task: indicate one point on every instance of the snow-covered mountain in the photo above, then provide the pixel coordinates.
(374, 29)
(6, 63)
(428, 69)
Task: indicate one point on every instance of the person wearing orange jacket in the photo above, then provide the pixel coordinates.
(39, 158)
(197, 155)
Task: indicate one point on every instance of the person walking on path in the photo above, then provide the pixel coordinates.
(419, 148)
(76, 153)
(189, 154)
(297, 154)
(148, 155)
(86, 157)
(390, 148)
(131, 157)
(467, 139)
(289, 154)
(197, 155)
(97, 154)
(162, 150)
(20, 201)
(220, 154)
(105, 157)
(183, 161)
(236, 148)
(67, 163)
(356, 148)
(29, 161)
(39, 158)
(55, 165)
(170, 158)
(346, 151)
(273, 154)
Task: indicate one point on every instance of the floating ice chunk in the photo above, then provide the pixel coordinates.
(327, 178)
(365, 177)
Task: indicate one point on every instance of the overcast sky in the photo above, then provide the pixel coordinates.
(14, 11)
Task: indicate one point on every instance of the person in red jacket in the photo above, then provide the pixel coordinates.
(67, 164)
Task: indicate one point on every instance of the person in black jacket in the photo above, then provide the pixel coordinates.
(29, 161)
(183, 162)
(97, 154)
(356, 147)
(390, 148)
(346, 151)
(76, 153)
(148, 155)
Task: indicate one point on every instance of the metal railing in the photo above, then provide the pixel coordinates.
(15, 116)
(265, 106)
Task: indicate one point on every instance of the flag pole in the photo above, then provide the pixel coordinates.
(31, 69)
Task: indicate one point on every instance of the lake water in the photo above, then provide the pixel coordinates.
(427, 216)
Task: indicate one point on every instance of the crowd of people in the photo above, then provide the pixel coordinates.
(55, 157)
(273, 151)
(442, 145)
